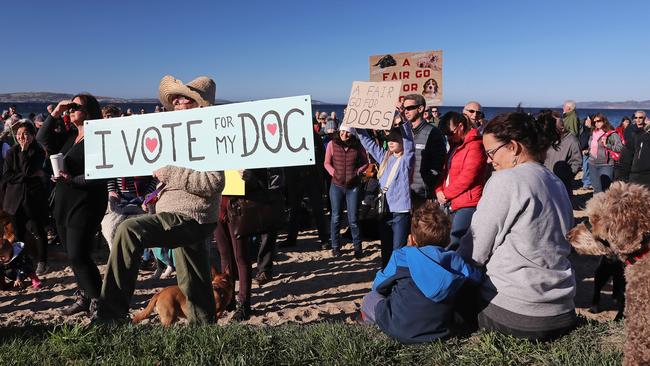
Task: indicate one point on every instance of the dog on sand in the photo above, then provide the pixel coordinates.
(170, 303)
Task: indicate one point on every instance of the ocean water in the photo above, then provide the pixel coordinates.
(614, 115)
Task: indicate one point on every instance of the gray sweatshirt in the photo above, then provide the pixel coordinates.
(518, 235)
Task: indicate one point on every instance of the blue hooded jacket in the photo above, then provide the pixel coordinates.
(420, 284)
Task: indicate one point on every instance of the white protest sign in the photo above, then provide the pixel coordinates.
(372, 104)
(260, 134)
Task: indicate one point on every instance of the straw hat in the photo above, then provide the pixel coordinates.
(201, 89)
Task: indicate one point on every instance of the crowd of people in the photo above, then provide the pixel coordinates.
(471, 214)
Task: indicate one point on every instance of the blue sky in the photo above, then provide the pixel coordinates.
(497, 52)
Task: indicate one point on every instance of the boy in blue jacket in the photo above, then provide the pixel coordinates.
(412, 298)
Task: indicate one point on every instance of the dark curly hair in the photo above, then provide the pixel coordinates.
(535, 135)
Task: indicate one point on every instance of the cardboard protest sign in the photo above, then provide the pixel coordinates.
(372, 104)
(235, 186)
(260, 134)
(421, 73)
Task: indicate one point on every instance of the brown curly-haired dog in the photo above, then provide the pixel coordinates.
(620, 226)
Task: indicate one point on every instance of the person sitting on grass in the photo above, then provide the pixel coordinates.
(412, 299)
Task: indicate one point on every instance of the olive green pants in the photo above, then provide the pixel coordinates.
(169, 230)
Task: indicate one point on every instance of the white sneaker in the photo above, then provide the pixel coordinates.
(159, 271)
(167, 273)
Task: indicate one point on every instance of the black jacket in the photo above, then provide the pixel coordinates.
(264, 184)
(640, 160)
(631, 133)
(23, 179)
(79, 203)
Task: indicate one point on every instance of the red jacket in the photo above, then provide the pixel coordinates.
(464, 178)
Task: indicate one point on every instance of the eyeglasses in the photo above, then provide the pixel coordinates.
(472, 111)
(491, 153)
(412, 107)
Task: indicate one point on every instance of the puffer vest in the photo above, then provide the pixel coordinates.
(345, 165)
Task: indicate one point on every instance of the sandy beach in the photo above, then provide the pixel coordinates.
(309, 285)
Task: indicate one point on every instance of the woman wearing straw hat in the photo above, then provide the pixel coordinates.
(184, 219)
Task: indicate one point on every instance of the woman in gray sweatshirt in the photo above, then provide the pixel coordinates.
(518, 234)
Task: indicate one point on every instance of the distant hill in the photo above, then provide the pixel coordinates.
(629, 104)
(47, 97)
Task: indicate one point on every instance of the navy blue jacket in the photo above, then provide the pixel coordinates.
(420, 286)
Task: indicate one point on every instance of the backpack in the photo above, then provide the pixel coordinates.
(610, 153)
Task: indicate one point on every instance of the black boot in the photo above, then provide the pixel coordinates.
(243, 312)
(81, 304)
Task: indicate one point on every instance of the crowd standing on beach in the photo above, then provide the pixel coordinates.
(471, 214)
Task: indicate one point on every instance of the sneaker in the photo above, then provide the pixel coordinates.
(262, 278)
(167, 273)
(36, 282)
(81, 304)
(242, 312)
(159, 271)
(41, 268)
(326, 245)
(358, 253)
(336, 252)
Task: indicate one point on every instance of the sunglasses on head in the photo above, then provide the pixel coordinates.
(412, 107)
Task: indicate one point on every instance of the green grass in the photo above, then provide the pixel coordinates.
(317, 344)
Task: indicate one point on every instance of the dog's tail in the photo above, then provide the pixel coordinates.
(142, 315)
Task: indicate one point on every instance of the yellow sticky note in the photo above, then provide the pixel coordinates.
(234, 184)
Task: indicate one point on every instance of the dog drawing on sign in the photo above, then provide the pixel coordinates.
(430, 89)
(429, 62)
(386, 61)
(170, 303)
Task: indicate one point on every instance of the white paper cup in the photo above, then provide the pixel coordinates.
(57, 164)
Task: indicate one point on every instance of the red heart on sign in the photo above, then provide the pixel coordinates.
(272, 128)
(151, 144)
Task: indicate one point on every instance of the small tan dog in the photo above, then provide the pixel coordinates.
(620, 227)
(170, 303)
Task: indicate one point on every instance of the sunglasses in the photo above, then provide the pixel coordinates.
(597, 120)
(472, 111)
(491, 153)
(412, 107)
(74, 107)
(635, 117)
